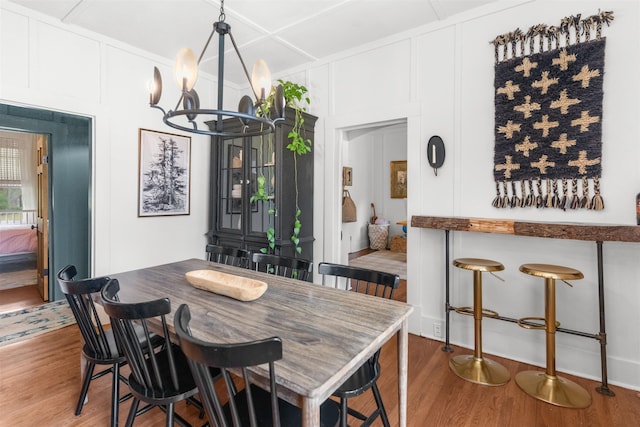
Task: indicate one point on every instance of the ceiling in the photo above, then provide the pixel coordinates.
(286, 33)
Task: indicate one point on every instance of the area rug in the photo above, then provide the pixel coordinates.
(30, 322)
(388, 261)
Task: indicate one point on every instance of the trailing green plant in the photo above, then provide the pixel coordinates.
(271, 237)
(295, 96)
(261, 193)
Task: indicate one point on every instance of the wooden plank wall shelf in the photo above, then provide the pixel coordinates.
(597, 233)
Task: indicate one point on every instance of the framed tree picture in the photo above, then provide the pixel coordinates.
(399, 179)
(163, 173)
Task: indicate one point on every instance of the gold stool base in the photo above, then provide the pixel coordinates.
(555, 390)
(479, 371)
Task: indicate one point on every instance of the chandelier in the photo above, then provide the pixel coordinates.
(250, 111)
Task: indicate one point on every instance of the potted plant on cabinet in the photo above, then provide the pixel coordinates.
(296, 99)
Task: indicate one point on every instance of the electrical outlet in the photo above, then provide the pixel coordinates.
(437, 329)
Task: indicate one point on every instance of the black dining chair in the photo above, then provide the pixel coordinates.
(158, 377)
(228, 255)
(252, 405)
(99, 343)
(295, 268)
(377, 283)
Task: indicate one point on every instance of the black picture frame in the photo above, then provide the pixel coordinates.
(155, 196)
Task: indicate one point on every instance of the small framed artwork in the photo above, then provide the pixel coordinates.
(163, 173)
(347, 176)
(399, 179)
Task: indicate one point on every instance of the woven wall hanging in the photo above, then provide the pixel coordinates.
(548, 115)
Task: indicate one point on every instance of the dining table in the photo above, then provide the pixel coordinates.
(326, 333)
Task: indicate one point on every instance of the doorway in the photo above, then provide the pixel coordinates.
(23, 219)
(368, 150)
(63, 174)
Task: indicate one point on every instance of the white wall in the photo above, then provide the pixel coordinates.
(441, 84)
(359, 153)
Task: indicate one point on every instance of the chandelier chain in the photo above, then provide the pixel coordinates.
(222, 15)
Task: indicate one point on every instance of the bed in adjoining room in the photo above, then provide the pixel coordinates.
(19, 191)
(18, 247)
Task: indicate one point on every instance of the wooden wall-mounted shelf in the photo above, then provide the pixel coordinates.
(574, 231)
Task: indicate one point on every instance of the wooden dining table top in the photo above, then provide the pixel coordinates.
(326, 333)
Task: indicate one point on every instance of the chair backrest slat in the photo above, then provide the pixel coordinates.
(79, 295)
(363, 280)
(295, 268)
(127, 322)
(228, 255)
(372, 282)
(205, 355)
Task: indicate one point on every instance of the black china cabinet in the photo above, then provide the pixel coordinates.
(262, 168)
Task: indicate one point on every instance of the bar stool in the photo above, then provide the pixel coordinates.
(474, 367)
(547, 386)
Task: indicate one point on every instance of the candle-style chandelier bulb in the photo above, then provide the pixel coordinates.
(261, 80)
(155, 87)
(186, 69)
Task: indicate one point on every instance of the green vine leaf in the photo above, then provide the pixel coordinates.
(294, 94)
(298, 144)
(260, 193)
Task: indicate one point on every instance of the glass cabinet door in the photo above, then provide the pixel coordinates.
(247, 185)
(231, 184)
(262, 176)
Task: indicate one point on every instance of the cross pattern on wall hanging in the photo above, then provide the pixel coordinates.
(548, 115)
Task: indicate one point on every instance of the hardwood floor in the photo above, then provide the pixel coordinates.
(15, 278)
(40, 383)
(19, 298)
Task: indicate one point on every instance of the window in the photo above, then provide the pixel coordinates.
(10, 175)
(18, 191)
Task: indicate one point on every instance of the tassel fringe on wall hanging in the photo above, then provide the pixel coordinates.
(548, 115)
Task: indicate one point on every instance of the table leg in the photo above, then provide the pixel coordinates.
(602, 335)
(310, 412)
(83, 368)
(403, 363)
(447, 304)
